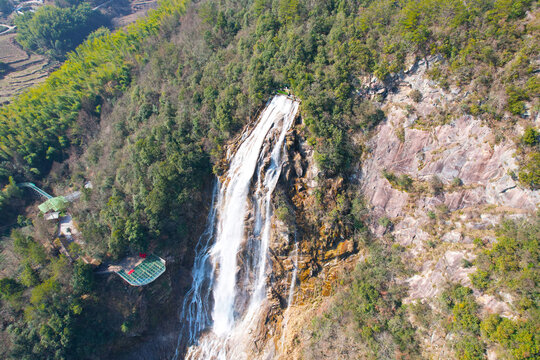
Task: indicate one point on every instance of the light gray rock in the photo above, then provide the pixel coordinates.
(452, 237)
(463, 147)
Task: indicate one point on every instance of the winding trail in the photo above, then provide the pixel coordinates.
(102, 4)
(9, 28)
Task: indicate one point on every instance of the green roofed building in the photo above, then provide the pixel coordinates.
(145, 272)
(58, 203)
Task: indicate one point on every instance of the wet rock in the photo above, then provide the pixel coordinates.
(287, 174)
(298, 165)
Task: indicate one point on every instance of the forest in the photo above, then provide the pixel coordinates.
(175, 87)
(54, 31)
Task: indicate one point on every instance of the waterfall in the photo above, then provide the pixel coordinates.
(290, 298)
(227, 296)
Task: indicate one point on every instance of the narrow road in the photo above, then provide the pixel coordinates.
(9, 28)
(100, 5)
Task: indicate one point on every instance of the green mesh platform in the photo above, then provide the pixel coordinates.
(58, 203)
(146, 272)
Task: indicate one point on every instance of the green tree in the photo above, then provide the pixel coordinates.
(6, 7)
(54, 31)
(529, 174)
(530, 136)
(9, 288)
(83, 278)
(29, 277)
(288, 10)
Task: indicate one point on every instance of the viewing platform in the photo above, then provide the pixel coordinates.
(138, 271)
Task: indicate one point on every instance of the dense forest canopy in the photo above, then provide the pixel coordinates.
(32, 139)
(6, 6)
(54, 31)
(353, 38)
(171, 91)
(320, 51)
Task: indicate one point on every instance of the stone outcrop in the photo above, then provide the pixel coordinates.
(472, 167)
(461, 171)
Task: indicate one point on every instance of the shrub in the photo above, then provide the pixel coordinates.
(510, 264)
(530, 136)
(443, 210)
(358, 213)
(390, 176)
(529, 174)
(9, 288)
(283, 213)
(470, 348)
(436, 185)
(83, 278)
(480, 279)
(416, 96)
(385, 222)
(456, 182)
(466, 263)
(478, 242)
(29, 277)
(465, 321)
(404, 182)
(516, 98)
(455, 294)
(422, 313)
(400, 133)
(518, 338)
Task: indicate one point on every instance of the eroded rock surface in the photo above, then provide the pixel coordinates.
(461, 189)
(423, 141)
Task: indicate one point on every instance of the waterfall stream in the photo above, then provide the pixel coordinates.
(290, 298)
(227, 295)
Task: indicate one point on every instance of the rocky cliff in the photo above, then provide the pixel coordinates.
(432, 180)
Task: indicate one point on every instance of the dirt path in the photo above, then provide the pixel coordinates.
(9, 28)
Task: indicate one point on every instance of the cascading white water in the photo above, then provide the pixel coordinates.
(197, 300)
(290, 298)
(216, 272)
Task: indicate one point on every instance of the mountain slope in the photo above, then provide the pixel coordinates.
(416, 136)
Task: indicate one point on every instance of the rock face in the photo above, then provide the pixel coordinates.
(462, 186)
(463, 148)
(305, 260)
(461, 153)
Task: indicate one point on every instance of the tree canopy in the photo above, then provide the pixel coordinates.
(54, 31)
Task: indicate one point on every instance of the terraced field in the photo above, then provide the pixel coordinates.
(25, 69)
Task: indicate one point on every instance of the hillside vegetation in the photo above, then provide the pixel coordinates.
(319, 51)
(40, 124)
(54, 31)
(145, 113)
